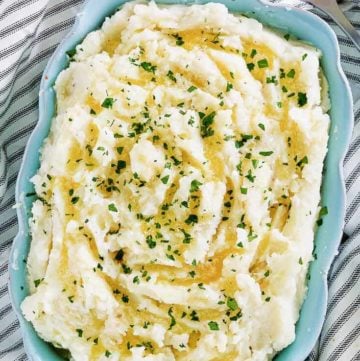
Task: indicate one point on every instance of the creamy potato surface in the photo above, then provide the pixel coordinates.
(178, 190)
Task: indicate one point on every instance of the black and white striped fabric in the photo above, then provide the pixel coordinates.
(30, 30)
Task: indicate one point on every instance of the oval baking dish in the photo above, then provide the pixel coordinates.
(301, 24)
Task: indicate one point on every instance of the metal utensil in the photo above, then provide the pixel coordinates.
(331, 8)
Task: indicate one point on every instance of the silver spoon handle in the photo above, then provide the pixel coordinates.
(334, 11)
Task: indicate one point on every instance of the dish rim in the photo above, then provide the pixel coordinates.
(32, 149)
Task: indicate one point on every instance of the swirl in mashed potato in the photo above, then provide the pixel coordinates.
(178, 189)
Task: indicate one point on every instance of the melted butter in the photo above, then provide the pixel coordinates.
(229, 356)
(211, 271)
(94, 104)
(213, 146)
(278, 214)
(75, 154)
(258, 267)
(78, 156)
(229, 285)
(198, 37)
(110, 44)
(283, 171)
(129, 339)
(194, 338)
(192, 77)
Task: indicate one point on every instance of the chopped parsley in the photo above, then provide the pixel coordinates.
(170, 256)
(236, 317)
(191, 89)
(176, 161)
(271, 80)
(74, 200)
(243, 190)
(171, 76)
(121, 164)
(165, 179)
(119, 255)
(323, 211)
(251, 236)
(71, 53)
(213, 326)
(179, 39)
(263, 63)
(127, 270)
(194, 316)
(148, 67)
(192, 219)
(205, 124)
(187, 237)
(229, 86)
(261, 126)
(108, 103)
(302, 162)
(250, 66)
(139, 127)
(243, 140)
(150, 242)
(107, 353)
(302, 99)
(291, 73)
(266, 153)
(232, 304)
(253, 53)
(250, 176)
(79, 332)
(195, 185)
(37, 282)
(112, 207)
(282, 73)
(172, 318)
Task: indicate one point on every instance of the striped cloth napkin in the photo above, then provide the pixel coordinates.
(30, 30)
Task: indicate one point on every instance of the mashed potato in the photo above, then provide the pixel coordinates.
(178, 189)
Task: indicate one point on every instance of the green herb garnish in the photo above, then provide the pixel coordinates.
(148, 67)
(263, 63)
(213, 326)
(108, 103)
(112, 207)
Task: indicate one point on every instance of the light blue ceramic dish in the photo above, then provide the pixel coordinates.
(302, 24)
